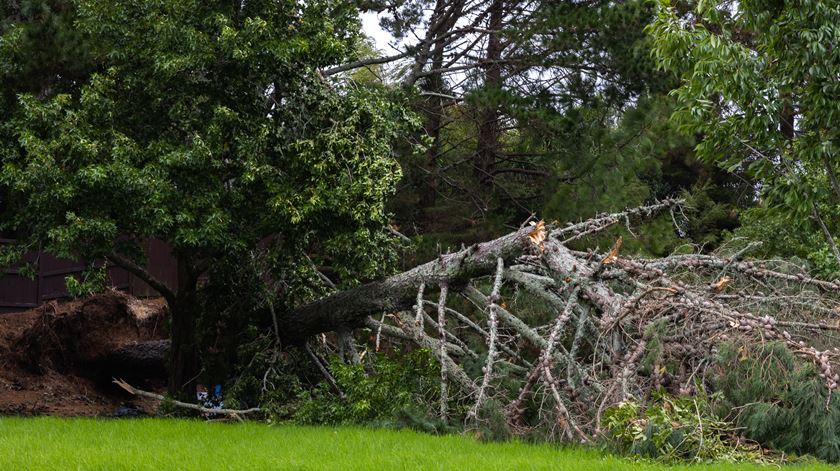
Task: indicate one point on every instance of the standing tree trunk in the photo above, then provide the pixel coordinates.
(433, 123)
(183, 353)
(184, 311)
(488, 126)
(444, 18)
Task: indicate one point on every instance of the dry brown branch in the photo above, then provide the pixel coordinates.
(235, 413)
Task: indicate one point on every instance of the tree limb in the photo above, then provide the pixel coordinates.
(491, 340)
(143, 274)
(235, 413)
(366, 62)
(399, 292)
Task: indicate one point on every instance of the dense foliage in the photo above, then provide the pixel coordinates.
(763, 393)
(382, 390)
(395, 390)
(675, 429)
(202, 124)
(759, 85)
(282, 159)
(568, 121)
(778, 400)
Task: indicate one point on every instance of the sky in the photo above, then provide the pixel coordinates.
(381, 38)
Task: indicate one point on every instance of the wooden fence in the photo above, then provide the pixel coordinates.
(19, 292)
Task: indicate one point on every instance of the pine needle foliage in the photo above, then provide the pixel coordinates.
(779, 401)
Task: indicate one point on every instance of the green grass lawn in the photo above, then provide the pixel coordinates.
(52, 443)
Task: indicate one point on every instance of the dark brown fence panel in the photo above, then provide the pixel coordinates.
(18, 292)
(51, 274)
(161, 264)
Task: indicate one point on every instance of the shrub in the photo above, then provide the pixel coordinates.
(397, 383)
(267, 377)
(673, 429)
(94, 280)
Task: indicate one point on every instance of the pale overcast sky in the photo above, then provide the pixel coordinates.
(381, 38)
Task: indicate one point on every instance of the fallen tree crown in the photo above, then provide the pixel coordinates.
(608, 311)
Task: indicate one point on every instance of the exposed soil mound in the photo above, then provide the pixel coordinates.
(81, 339)
(58, 359)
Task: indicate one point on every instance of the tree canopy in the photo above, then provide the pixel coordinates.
(202, 124)
(318, 193)
(759, 84)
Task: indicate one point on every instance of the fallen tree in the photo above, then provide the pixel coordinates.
(621, 326)
(349, 308)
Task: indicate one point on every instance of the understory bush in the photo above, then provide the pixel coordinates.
(673, 429)
(267, 378)
(778, 400)
(395, 390)
(383, 390)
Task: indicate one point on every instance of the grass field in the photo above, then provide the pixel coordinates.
(60, 444)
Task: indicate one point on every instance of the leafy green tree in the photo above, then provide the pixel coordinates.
(759, 85)
(205, 124)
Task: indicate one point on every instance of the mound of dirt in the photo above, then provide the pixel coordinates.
(81, 340)
(58, 359)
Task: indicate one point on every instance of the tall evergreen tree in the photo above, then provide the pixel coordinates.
(524, 105)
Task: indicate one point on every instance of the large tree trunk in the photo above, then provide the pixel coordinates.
(444, 18)
(434, 121)
(183, 354)
(488, 126)
(350, 308)
(183, 358)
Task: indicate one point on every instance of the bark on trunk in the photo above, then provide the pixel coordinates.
(138, 361)
(434, 122)
(183, 354)
(396, 293)
(350, 308)
(445, 15)
(488, 128)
